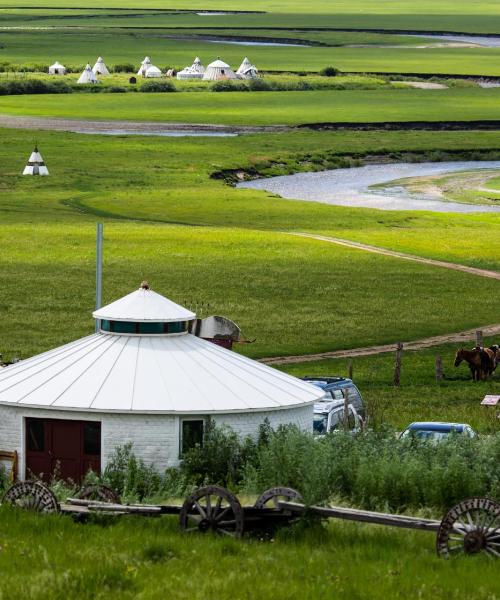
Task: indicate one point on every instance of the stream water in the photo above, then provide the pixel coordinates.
(353, 187)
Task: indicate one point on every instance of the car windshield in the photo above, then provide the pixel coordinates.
(320, 423)
(426, 434)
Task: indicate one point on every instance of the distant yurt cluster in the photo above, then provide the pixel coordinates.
(218, 70)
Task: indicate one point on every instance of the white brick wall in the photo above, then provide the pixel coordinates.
(155, 438)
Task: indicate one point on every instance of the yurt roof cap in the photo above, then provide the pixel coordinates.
(219, 64)
(144, 305)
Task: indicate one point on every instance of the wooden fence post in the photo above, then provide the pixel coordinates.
(479, 338)
(397, 366)
(351, 369)
(346, 409)
(439, 369)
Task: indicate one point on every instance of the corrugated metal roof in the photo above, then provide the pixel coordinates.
(150, 374)
(144, 305)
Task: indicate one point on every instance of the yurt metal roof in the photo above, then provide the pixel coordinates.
(57, 65)
(153, 71)
(144, 305)
(218, 64)
(146, 374)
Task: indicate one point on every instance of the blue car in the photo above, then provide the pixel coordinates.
(435, 431)
(336, 389)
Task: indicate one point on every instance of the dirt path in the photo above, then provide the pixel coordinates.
(402, 255)
(461, 337)
(458, 338)
(124, 127)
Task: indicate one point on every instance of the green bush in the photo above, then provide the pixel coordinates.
(229, 86)
(158, 86)
(123, 68)
(130, 476)
(259, 85)
(33, 86)
(114, 89)
(329, 72)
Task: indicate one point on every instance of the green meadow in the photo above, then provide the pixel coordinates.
(152, 192)
(147, 558)
(266, 108)
(75, 47)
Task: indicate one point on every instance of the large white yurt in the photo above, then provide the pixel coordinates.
(153, 72)
(87, 76)
(57, 69)
(195, 71)
(218, 70)
(247, 70)
(100, 67)
(145, 64)
(141, 379)
(35, 165)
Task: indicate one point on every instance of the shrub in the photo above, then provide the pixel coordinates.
(259, 85)
(114, 89)
(229, 86)
(158, 86)
(124, 68)
(33, 86)
(130, 476)
(329, 72)
(221, 459)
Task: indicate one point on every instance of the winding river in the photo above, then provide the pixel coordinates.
(353, 187)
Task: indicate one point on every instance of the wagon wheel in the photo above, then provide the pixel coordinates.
(470, 527)
(33, 496)
(271, 497)
(99, 492)
(212, 508)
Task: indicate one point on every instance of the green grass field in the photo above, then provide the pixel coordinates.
(74, 47)
(265, 108)
(146, 558)
(237, 261)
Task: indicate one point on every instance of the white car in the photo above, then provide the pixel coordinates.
(329, 417)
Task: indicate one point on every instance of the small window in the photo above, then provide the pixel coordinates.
(36, 435)
(337, 394)
(92, 439)
(351, 420)
(336, 419)
(192, 434)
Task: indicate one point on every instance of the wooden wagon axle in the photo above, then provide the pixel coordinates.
(470, 527)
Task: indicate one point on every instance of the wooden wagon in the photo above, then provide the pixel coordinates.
(470, 527)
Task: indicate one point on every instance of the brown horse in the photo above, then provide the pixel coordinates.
(496, 355)
(475, 361)
(488, 359)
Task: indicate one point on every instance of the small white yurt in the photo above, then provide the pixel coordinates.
(142, 379)
(218, 70)
(247, 70)
(100, 67)
(35, 165)
(145, 64)
(153, 72)
(57, 69)
(87, 76)
(195, 71)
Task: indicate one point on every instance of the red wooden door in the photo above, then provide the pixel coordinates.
(67, 449)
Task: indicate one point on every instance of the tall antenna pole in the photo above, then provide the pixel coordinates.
(98, 272)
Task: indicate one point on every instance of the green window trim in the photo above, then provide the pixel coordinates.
(143, 327)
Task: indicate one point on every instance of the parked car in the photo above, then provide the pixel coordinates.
(435, 431)
(329, 417)
(336, 388)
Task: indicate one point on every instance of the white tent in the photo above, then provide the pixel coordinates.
(218, 70)
(247, 70)
(35, 165)
(100, 67)
(57, 69)
(153, 72)
(195, 71)
(143, 379)
(87, 76)
(145, 64)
